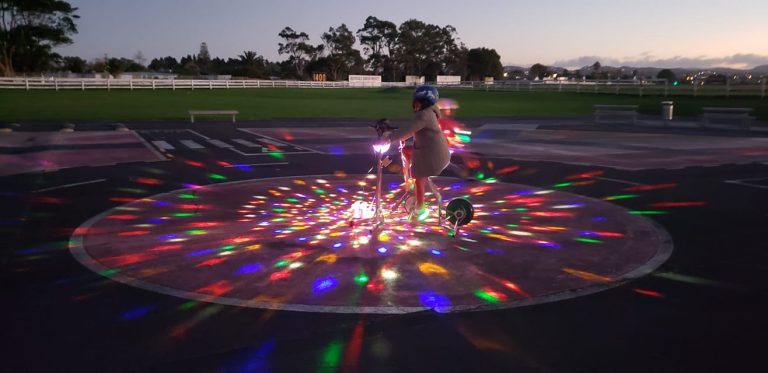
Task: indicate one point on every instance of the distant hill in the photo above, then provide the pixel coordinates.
(653, 71)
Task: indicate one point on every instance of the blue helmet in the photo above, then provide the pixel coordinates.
(426, 94)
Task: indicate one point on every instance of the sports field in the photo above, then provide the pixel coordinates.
(268, 103)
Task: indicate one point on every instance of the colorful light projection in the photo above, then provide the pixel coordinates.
(304, 234)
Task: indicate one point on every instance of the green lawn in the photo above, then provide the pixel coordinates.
(267, 103)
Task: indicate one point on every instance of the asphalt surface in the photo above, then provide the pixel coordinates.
(704, 309)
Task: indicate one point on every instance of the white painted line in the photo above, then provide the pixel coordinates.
(164, 145)
(271, 142)
(246, 143)
(220, 143)
(265, 150)
(191, 144)
(743, 183)
(616, 180)
(197, 133)
(247, 130)
(69, 185)
(257, 164)
(151, 148)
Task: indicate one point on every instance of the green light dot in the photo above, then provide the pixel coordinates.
(183, 214)
(187, 196)
(588, 240)
(651, 212)
(512, 225)
(521, 209)
(621, 196)
(319, 191)
(197, 231)
(562, 185)
(110, 272)
(276, 154)
(217, 177)
(362, 278)
(281, 263)
(292, 200)
(228, 247)
(484, 295)
(277, 209)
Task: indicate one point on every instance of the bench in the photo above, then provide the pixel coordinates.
(727, 113)
(192, 113)
(620, 111)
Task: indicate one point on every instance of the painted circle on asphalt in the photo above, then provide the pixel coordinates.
(304, 244)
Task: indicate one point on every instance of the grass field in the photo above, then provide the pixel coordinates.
(26, 106)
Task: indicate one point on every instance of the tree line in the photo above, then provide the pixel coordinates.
(30, 30)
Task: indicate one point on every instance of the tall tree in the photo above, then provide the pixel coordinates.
(538, 71)
(597, 69)
(379, 38)
(339, 44)
(297, 48)
(483, 62)
(204, 59)
(424, 48)
(667, 74)
(30, 29)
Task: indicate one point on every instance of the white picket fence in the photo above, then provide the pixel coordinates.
(639, 88)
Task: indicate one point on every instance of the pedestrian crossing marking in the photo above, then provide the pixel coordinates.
(191, 144)
(162, 145)
(246, 143)
(219, 143)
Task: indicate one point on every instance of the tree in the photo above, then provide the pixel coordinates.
(252, 65)
(204, 59)
(482, 62)
(668, 75)
(29, 30)
(538, 71)
(596, 70)
(74, 64)
(379, 38)
(116, 66)
(424, 49)
(190, 68)
(165, 64)
(298, 50)
(339, 43)
(139, 58)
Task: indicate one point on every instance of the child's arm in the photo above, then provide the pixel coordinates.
(407, 130)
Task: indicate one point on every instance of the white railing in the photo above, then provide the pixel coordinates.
(109, 84)
(640, 88)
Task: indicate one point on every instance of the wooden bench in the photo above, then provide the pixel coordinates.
(620, 111)
(192, 113)
(742, 114)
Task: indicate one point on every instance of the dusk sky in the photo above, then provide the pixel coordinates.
(662, 33)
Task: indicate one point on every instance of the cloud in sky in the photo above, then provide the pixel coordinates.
(646, 59)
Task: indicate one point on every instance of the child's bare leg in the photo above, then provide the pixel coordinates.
(420, 184)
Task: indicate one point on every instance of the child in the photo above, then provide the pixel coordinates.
(430, 154)
(457, 135)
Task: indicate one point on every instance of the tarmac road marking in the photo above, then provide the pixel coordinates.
(615, 180)
(246, 143)
(742, 182)
(69, 185)
(265, 138)
(197, 133)
(191, 144)
(257, 164)
(219, 143)
(162, 145)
